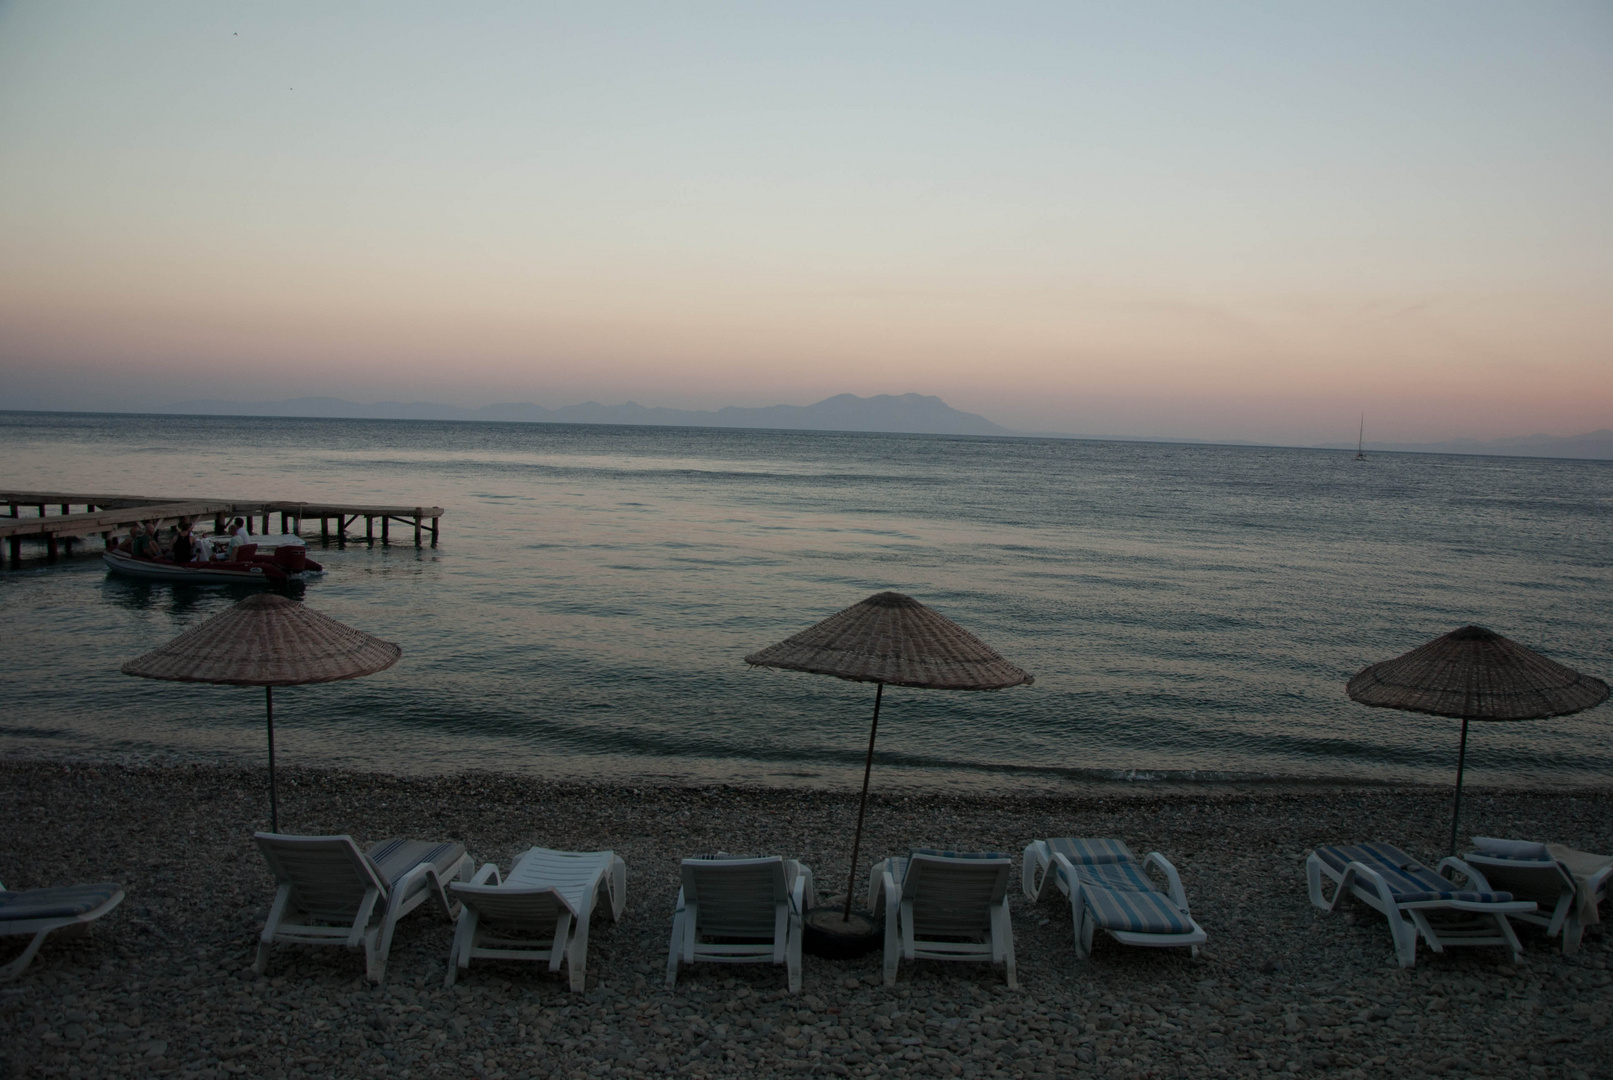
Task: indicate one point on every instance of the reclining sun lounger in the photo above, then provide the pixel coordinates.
(1110, 891)
(944, 905)
(39, 911)
(330, 893)
(539, 911)
(738, 910)
(1388, 880)
(1567, 885)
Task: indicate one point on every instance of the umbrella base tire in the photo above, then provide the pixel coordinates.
(825, 932)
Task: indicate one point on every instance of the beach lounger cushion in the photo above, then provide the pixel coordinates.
(1409, 880)
(1406, 893)
(1110, 890)
(1121, 897)
(1511, 849)
(1091, 852)
(56, 902)
(39, 911)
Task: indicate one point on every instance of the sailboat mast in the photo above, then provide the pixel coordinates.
(1360, 439)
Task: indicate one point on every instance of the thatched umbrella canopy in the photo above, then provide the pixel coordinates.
(1475, 674)
(894, 639)
(267, 640)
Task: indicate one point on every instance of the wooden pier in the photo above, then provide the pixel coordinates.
(104, 515)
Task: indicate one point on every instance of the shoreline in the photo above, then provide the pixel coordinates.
(978, 781)
(164, 982)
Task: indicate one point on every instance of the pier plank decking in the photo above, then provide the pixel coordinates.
(104, 515)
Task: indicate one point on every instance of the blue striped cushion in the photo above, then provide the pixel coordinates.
(1409, 881)
(1116, 905)
(60, 902)
(394, 858)
(1090, 853)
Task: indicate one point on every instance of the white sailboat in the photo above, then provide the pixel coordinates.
(1360, 437)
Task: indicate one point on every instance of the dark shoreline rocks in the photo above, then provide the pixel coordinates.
(163, 985)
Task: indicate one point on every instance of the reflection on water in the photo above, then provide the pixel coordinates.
(1188, 611)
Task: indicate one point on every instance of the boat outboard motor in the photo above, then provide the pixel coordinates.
(293, 560)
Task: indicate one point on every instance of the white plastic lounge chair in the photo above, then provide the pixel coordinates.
(539, 911)
(944, 905)
(738, 910)
(330, 893)
(39, 911)
(1567, 885)
(1388, 880)
(1110, 891)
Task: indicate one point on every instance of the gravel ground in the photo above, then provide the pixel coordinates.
(163, 985)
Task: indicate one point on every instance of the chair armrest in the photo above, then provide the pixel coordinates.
(1374, 881)
(1072, 882)
(486, 873)
(1034, 859)
(798, 897)
(893, 898)
(1173, 880)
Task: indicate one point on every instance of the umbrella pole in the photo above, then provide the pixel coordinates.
(862, 807)
(1456, 811)
(274, 809)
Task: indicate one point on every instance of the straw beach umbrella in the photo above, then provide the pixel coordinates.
(891, 639)
(268, 641)
(1475, 674)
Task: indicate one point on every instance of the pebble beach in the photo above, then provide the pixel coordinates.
(163, 985)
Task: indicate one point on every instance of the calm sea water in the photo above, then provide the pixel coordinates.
(1188, 611)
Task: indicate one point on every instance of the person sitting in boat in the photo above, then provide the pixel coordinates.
(184, 544)
(238, 536)
(143, 544)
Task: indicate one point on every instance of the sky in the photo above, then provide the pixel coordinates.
(1199, 220)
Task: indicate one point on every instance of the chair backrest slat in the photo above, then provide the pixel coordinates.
(503, 906)
(735, 898)
(954, 896)
(328, 875)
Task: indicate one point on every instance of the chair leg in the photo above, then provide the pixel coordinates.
(673, 949)
(1002, 932)
(1404, 932)
(1081, 924)
(260, 964)
(893, 943)
(1573, 931)
(792, 955)
(464, 942)
(374, 957)
(1514, 946)
(15, 968)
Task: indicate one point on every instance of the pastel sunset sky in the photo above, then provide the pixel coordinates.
(1210, 220)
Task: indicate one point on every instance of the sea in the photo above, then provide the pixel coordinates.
(1191, 613)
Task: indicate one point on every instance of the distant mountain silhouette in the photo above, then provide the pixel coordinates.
(918, 414)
